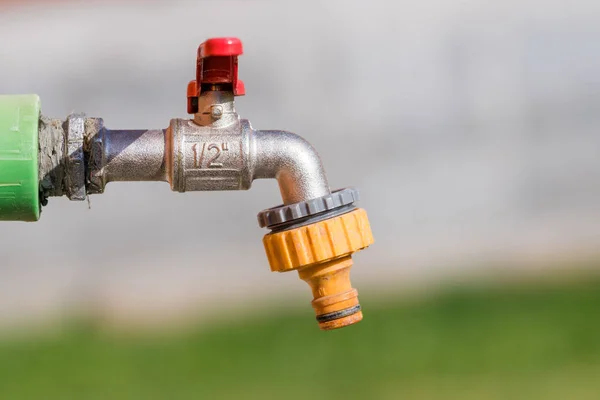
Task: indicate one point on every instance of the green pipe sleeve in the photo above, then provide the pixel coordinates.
(19, 184)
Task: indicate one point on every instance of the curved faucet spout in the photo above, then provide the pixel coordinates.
(291, 160)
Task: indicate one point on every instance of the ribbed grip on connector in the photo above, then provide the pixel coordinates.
(318, 242)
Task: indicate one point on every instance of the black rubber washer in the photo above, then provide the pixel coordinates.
(338, 314)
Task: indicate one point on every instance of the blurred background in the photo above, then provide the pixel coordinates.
(470, 128)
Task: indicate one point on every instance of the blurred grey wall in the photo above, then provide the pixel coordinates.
(471, 129)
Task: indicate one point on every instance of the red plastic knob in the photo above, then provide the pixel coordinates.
(217, 64)
(228, 46)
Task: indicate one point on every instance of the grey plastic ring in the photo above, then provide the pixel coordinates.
(287, 213)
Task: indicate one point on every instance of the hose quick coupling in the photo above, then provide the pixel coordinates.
(317, 238)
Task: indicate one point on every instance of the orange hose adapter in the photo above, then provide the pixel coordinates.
(321, 252)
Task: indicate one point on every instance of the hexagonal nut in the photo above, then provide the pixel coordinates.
(74, 158)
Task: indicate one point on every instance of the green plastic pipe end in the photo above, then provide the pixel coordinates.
(19, 184)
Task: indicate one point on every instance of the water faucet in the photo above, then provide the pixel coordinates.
(315, 231)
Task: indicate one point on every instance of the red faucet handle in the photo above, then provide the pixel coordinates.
(217, 64)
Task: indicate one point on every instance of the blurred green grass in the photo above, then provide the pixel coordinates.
(515, 342)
